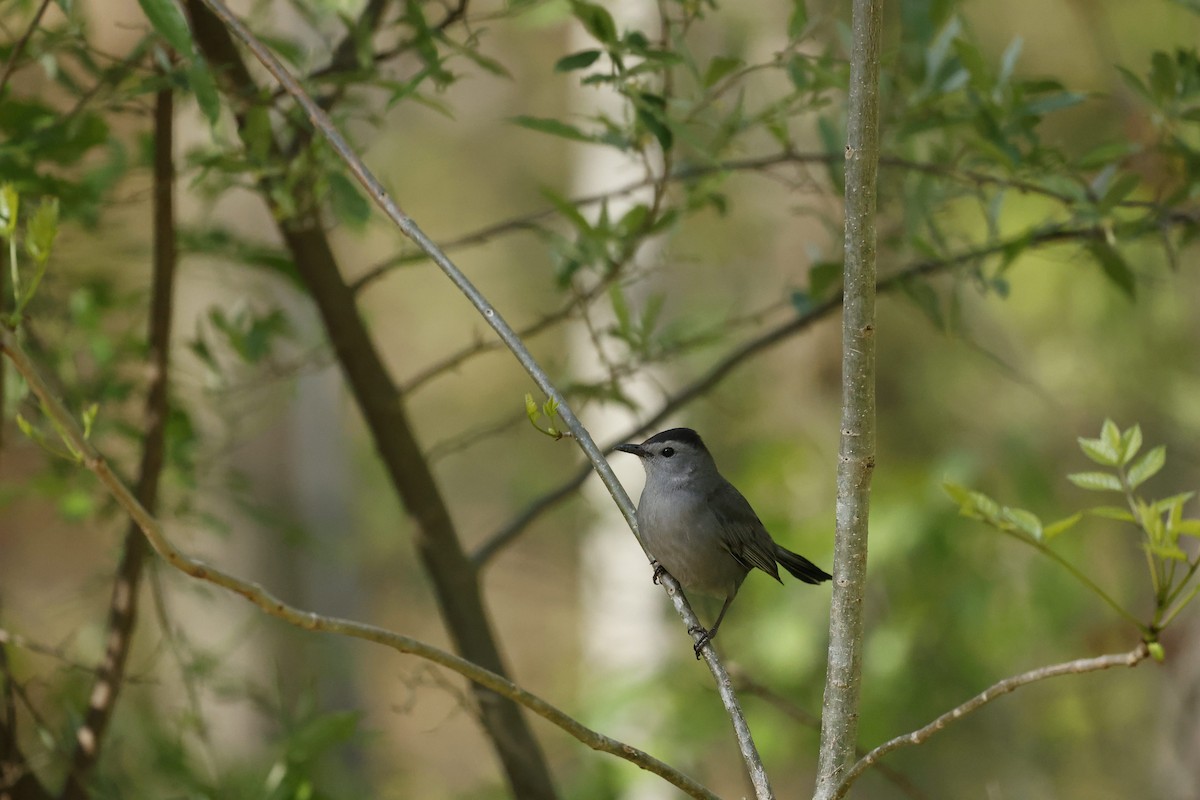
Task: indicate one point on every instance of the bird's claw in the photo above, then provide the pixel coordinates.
(659, 569)
(705, 638)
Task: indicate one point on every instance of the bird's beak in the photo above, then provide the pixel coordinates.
(634, 449)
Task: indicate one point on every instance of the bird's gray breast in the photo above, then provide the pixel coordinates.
(686, 538)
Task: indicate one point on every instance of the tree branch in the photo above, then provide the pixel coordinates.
(747, 685)
(455, 582)
(408, 226)
(17, 780)
(123, 606)
(759, 344)
(689, 172)
(19, 48)
(308, 620)
(1077, 667)
(856, 464)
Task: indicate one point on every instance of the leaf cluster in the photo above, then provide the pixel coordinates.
(1158, 524)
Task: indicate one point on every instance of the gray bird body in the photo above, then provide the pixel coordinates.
(699, 527)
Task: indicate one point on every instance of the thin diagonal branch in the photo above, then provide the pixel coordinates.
(123, 606)
(759, 344)
(530, 220)
(436, 540)
(19, 48)
(17, 780)
(1077, 667)
(409, 227)
(308, 620)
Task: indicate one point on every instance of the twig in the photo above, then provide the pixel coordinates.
(19, 48)
(1079, 666)
(408, 226)
(123, 606)
(530, 220)
(308, 620)
(764, 341)
(748, 685)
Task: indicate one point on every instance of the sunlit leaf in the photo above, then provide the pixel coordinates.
(1024, 521)
(1096, 481)
(1099, 451)
(1147, 466)
(1062, 525)
(1112, 512)
(1131, 442)
(168, 20)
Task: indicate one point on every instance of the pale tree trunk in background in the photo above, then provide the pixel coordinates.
(624, 625)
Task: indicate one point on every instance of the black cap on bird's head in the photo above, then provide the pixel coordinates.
(660, 441)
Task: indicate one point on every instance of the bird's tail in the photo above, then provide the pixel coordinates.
(800, 566)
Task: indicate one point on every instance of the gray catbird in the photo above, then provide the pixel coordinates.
(699, 527)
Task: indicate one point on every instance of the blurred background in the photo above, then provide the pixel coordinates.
(989, 369)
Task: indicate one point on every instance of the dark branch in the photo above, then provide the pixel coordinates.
(307, 620)
(454, 579)
(19, 48)
(766, 340)
(123, 606)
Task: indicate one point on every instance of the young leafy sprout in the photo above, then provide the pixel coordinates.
(1160, 524)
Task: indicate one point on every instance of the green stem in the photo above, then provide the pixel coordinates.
(1151, 564)
(1182, 604)
(1085, 580)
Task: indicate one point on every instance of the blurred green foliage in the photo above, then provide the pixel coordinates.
(1036, 249)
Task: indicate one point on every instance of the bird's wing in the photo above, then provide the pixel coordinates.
(745, 537)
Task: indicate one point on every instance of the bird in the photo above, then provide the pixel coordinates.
(700, 529)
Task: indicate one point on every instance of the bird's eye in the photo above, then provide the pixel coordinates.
(668, 452)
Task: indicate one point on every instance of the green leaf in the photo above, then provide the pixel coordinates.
(1096, 481)
(718, 68)
(169, 22)
(1169, 551)
(581, 60)
(1147, 467)
(1118, 190)
(204, 87)
(41, 230)
(1131, 442)
(1062, 525)
(349, 204)
(1024, 521)
(1111, 435)
(1188, 527)
(651, 112)
(1112, 512)
(1136, 83)
(1099, 451)
(1115, 268)
(10, 202)
(596, 19)
(553, 127)
(803, 302)
(797, 20)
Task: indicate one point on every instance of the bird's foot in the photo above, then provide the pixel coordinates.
(659, 569)
(705, 637)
